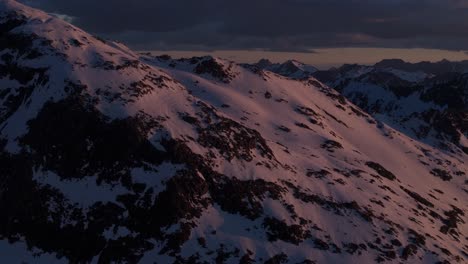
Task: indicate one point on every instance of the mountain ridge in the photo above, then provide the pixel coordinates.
(410, 98)
(112, 156)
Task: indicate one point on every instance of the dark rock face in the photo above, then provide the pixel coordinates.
(418, 198)
(75, 140)
(381, 170)
(244, 197)
(209, 66)
(36, 212)
(21, 42)
(448, 90)
(331, 145)
(454, 217)
(72, 139)
(229, 137)
(234, 140)
(278, 230)
(444, 175)
(22, 46)
(408, 251)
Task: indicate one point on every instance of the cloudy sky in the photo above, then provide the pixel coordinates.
(413, 29)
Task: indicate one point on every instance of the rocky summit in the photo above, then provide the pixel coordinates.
(111, 156)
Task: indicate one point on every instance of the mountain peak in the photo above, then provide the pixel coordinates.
(440, 67)
(390, 63)
(290, 68)
(263, 63)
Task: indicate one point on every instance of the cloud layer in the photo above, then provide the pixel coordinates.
(274, 25)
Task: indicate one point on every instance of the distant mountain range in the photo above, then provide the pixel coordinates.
(426, 101)
(110, 156)
(436, 68)
(291, 68)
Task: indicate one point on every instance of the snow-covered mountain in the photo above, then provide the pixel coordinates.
(108, 156)
(435, 68)
(426, 101)
(430, 108)
(291, 68)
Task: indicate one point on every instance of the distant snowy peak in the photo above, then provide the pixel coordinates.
(435, 68)
(263, 63)
(291, 68)
(294, 64)
(430, 107)
(417, 76)
(355, 71)
(297, 70)
(410, 72)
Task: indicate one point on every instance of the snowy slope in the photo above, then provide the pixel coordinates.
(429, 108)
(111, 156)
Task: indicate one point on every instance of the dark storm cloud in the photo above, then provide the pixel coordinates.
(276, 25)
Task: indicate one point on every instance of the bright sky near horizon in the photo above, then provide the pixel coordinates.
(326, 58)
(338, 31)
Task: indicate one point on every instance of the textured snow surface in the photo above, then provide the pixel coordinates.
(114, 156)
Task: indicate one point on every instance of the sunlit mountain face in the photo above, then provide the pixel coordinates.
(110, 155)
